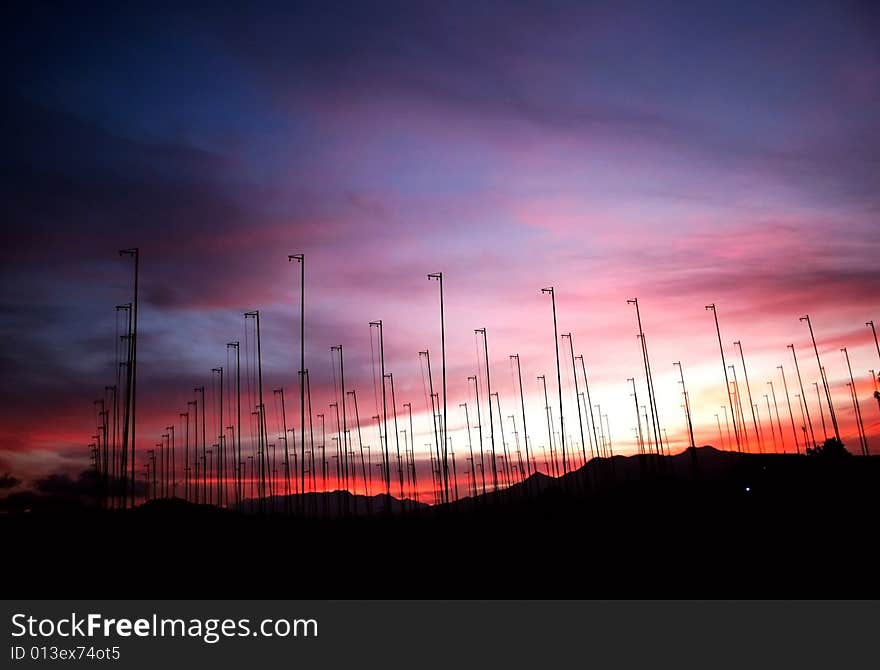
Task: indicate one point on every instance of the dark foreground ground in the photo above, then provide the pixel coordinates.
(739, 526)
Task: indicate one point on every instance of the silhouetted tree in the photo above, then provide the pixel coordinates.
(7, 481)
(831, 448)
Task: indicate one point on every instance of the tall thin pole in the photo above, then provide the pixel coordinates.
(590, 402)
(870, 324)
(772, 427)
(300, 258)
(552, 293)
(412, 439)
(803, 394)
(862, 437)
(806, 318)
(126, 411)
(720, 434)
(185, 416)
(378, 324)
(726, 378)
(737, 396)
(522, 400)
(797, 446)
(801, 405)
(439, 277)
(635, 396)
(172, 468)
(727, 425)
(577, 395)
(238, 486)
(204, 484)
(506, 470)
(467, 422)
(687, 404)
(489, 402)
(396, 432)
(135, 254)
(345, 445)
(220, 440)
(778, 419)
(543, 380)
(649, 377)
(286, 462)
(821, 411)
(749, 392)
(479, 432)
(434, 422)
(357, 419)
(262, 424)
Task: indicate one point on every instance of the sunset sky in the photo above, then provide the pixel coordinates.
(684, 154)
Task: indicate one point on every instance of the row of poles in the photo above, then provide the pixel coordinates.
(741, 438)
(219, 475)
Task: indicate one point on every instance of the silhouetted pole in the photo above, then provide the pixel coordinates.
(467, 422)
(126, 412)
(778, 419)
(649, 378)
(390, 376)
(824, 380)
(357, 420)
(635, 396)
(543, 380)
(220, 441)
(412, 437)
(479, 432)
(772, 427)
(172, 466)
(727, 424)
(862, 437)
(345, 445)
(185, 416)
(300, 258)
(552, 293)
(821, 411)
(589, 402)
(305, 375)
(803, 395)
(737, 396)
(201, 390)
(797, 446)
(482, 331)
(439, 277)
(803, 421)
(522, 400)
(608, 432)
(503, 441)
(454, 470)
(135, 254)
(387, 465)
(720, 434)
(239, 493)
(687, 404)
(726, 378)
(749, 392)
(870, 324)
(113, 442)
(286, 463)
(262, 408)
(519, 460)
(151, 454)
(323, 460)
(577, 395)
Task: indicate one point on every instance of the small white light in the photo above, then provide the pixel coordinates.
(748, 488)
